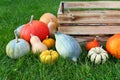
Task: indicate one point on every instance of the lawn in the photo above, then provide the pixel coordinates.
(17, 12)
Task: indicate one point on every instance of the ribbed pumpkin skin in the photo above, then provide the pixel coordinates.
(113, 45)
(15, 50)
(49, 56)
(49, 42)
(67, 46)
(37, 28)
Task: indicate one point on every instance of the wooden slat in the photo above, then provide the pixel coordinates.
(92, 4)
(89, 38)
(89, 30)
(100, 16)
(109, 13)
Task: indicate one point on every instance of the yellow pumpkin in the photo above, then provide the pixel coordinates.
(49, 56)
(49, 42)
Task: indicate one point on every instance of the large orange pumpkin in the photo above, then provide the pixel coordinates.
(113, 45)
(34, 27)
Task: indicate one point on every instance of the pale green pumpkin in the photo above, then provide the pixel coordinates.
(19, 29)
(67, 46)
(17, 48)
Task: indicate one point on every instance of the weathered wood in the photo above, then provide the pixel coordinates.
(85, 24)
(89, 38)
(108, 16)
(92, 4)
(89, 30)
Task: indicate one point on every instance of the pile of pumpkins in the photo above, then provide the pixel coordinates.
(36, 35)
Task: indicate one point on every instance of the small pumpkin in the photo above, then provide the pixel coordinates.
(37, 45)
(67, 46)
(17, 48)
(113, 45)
(35, 27)
(50, 19)
(92, 44)
(49, 42)
(49, 56)
(19, 29)
(97, 55)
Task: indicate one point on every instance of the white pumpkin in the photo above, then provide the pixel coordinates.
(17, 48)
(98, 55)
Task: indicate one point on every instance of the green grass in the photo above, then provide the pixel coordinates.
(17, 12)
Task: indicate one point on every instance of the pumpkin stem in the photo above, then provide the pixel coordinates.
(16, 37)
(32, 16)
(31, 35)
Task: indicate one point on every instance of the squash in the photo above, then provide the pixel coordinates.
(52, 27)
(48, 18)
(17, 48)
(113, 45)
(67, 46)
(49, 56)
(37, 45)
(97, 55)
(35, 27)
(49, 42)
(92, 44)
(19, 29)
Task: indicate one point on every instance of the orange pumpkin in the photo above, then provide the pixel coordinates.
(49, 42)
(113, 45)
(46, 18)
(92, 44)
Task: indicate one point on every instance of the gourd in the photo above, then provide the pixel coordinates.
(67, 46)
(49, 42)
(50, 19)
(17, 48)
(52, 27)
(49, 56)
(19, 29)
(92, 44)
(37, 45)
(97, 55)
(35, 27)
(113, 45)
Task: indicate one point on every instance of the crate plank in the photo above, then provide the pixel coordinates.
(92, 4)
(89, 38)
(89, 30)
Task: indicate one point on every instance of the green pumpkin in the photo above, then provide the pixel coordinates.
(17, 48)
(67, 46)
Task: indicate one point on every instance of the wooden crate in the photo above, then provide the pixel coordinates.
(85, 20)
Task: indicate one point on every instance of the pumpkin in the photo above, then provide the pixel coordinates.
(19, 29)
(37, 45)
(67, 46)
(35, 27)
(17, 48)
(49, 42)
(92, 44)
(113, 45)
(49, 17)
(49, 56)
(97, 55)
